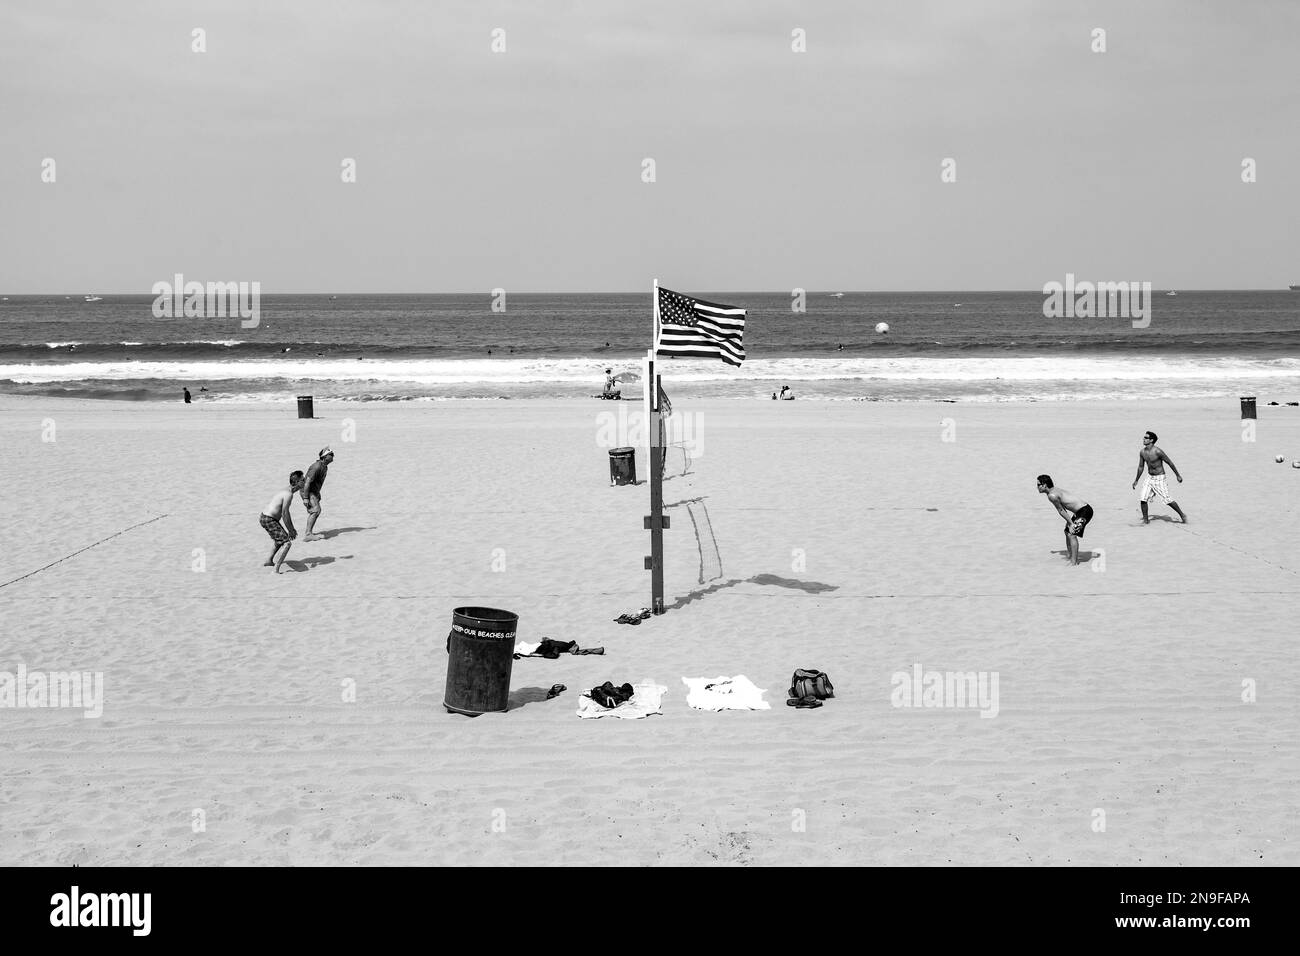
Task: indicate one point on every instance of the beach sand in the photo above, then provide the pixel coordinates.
(848, 537)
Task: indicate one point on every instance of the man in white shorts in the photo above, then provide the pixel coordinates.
(1156, 484)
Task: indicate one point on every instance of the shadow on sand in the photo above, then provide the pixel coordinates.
(335, 532)
(808, 587)
(1084, 556)
(529, 695)
(306, 564)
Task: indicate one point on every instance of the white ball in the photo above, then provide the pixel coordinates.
(882, 328)
(1279, 459)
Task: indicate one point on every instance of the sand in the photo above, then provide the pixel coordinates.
(842, 536)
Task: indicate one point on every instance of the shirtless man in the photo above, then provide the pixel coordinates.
(275, 512)
(1076, 512)
(1156, 484)
(311, 487)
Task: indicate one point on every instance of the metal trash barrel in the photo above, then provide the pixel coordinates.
(304, 407)
(1248, 406)
(622, 466)
(480, 652)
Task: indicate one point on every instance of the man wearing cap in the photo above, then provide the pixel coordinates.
(311, 486)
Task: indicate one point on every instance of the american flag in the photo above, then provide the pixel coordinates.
(694, 328)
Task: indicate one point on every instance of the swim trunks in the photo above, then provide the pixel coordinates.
(1080, 521)
(274, 529)
(1155, 485)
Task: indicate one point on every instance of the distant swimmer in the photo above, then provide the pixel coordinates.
(1156, 484)
(311, 489)
(187, 395)
(275, 512)
(285, 349)
(1076, 512)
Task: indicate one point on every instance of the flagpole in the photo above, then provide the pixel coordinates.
(655, 522)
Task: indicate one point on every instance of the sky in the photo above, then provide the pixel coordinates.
(523, 169)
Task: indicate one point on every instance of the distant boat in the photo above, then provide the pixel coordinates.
(1295, 288)
(1171, 292)
(94, 298)
(333, 297)
(837, 295)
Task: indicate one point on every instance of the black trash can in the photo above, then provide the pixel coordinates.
(304, 407)
(480, 652)
(1248, 406)
(622, 466)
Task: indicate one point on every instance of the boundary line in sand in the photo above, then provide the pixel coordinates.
(86, 548)
(1249, 554)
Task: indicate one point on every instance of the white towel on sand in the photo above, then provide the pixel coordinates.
(523, 647)
(724, 693)
(647, 698)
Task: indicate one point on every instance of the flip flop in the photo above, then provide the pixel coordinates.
(555, 691)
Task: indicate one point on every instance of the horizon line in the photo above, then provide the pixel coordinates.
(1285, 288)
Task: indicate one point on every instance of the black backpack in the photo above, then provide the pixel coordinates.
(810, 683)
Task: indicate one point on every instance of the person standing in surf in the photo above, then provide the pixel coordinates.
(1156, 484)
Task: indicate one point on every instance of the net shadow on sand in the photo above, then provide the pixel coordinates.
(710, 568)
(808, 587)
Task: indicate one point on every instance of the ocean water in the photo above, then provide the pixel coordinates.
(973, 346)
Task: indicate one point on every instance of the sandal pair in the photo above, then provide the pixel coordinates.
(803, 702)
(637, 618)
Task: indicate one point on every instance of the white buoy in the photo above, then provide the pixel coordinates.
(882, 328)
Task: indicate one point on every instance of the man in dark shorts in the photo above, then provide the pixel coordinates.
(1076, 512)
(277, 511)
(311, 488)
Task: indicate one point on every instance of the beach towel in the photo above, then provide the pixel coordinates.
(724, 693)
(647, 698)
